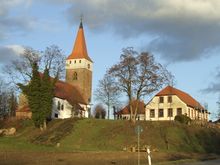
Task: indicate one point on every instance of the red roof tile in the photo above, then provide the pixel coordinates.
(186, 98)
(141, 108)
(68, 92)
(79, 49)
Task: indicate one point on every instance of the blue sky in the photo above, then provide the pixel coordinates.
(183, 35)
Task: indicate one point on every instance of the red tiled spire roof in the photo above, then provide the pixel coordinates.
(79, 49)
(185, 97)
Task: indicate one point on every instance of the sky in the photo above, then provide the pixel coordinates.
(183, 35)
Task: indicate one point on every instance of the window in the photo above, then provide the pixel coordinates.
(152, 113)
(56, 115)
(88, 66)
(74, 76)
(75, 61)
(58, 105)
(169, 99)
(79, 61)
(62, 107)
(70, 61)
(161, 100)
(170, 112)
(179, 111)
(160, 113)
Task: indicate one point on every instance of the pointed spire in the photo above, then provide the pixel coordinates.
(81, 24)
(79, 49)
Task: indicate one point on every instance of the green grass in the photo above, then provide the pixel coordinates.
(109, 135)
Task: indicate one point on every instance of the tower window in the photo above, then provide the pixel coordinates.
(88, 66)
(74, 76)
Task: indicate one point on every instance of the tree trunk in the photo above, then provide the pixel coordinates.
(45, 125)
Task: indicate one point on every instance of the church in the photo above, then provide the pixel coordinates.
(72, 97)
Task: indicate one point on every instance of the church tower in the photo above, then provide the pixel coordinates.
(79, 67)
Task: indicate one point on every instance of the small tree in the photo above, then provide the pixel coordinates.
(12, 104)
(138, 75)
(99, 112)
(182, 119)
(107, 92)
(47, 91)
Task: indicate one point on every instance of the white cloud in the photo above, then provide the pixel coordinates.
(10, 52)
(183, 30)
(11, 24)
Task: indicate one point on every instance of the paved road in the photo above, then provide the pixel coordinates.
(210, 162)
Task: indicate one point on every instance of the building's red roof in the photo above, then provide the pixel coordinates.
(126, 109)
(68, 92)
(185, 97)
(79, 49)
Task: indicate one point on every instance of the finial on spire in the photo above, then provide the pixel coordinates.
(81, 19)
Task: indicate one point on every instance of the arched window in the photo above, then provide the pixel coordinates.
(74, 76)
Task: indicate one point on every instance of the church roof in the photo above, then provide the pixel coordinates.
(79, 50)
(63, 91)
(68, 92)
(126, 109)
(185, 97)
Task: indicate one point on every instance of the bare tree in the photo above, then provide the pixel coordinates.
(138, 75)
(99, 112)
(107, 92)
(20, 70)
(8, 101)
(217, 115)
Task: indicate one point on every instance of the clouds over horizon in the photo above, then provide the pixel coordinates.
(214, 86)
(13, 20)
(9, 53)
(181, 30)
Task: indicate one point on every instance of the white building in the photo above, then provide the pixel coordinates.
(68, 102)
(170, 102)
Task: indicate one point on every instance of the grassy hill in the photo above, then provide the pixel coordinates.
(109, 135)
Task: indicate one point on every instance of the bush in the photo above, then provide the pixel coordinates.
(182, 119)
